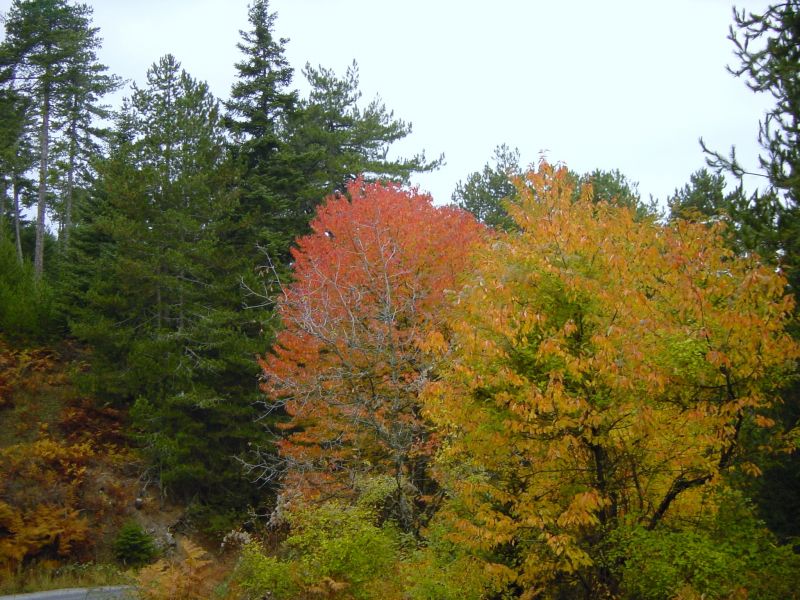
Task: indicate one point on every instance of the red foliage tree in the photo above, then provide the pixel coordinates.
(348, 367)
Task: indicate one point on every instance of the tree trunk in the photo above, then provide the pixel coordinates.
(3, 197)
(38, 261)
(16, 218)
(69, 192)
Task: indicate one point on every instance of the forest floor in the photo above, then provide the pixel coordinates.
(69, 477)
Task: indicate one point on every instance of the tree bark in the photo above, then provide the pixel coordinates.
(69, 192)
(38, 261)
(17, 227)
(3, 197)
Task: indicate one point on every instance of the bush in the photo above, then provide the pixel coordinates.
(442, 569)
(733, 555)
(27, 308)
(259, 574)
(334, 550)
(134, 547)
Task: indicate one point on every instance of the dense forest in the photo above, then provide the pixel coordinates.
(241, 357)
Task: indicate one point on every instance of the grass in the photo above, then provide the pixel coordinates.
(43, 577)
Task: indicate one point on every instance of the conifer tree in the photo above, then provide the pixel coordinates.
(484, 192)
(49, 42)
(80, 114)
(162, 304)
(16, 159)
(259, 109)
(767, 46)
(339, 139)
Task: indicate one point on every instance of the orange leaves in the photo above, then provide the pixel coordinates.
(362, 330)
(603, 368)
(57, 474)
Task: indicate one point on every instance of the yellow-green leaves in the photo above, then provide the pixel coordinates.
(602, 370)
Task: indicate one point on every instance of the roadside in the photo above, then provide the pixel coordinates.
(104, 593)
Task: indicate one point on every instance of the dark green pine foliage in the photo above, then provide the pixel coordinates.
(615, 188)
(157, 289)
(338, 139)
(702, 199)
(767, 46)
(485, 193)
(260, 106)
(705, 198)
(47, 42)
(80, 114)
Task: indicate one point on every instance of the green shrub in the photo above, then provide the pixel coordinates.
(133, 546)
(733, 555)
(27, 308)
(334, 550)
(259, 574)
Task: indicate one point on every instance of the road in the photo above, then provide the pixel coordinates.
(104, 593)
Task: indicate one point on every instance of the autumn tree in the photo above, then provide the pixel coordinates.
(369, 284)
(605, 375)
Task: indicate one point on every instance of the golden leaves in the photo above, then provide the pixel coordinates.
(601, 369)
(185, 577)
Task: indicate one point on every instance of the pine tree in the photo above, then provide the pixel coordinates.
(80, 112)
(485, 192)
(162, 304)
(17, 157)
(259, 109)
(48, 42)
(340, 140)
(767, 46)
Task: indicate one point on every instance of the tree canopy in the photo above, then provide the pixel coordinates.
(369, 285)
(605, 374)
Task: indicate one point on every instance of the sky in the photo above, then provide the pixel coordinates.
(618, 84)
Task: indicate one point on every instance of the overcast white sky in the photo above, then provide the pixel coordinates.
(627, 84)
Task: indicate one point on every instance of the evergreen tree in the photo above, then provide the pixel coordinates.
(703, 198)
(260, 106)
(161, 297)
(485, 192)
(48, 43)
(338, 140)
(767, 46)
(615, 188)
(16, 159)
(80, 112)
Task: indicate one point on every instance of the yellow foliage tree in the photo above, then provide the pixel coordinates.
(604, 371)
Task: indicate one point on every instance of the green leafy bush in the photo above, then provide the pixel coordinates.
(441, 570)
(134, 546)
(334, 550)
(258, 574)
(733, 555)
